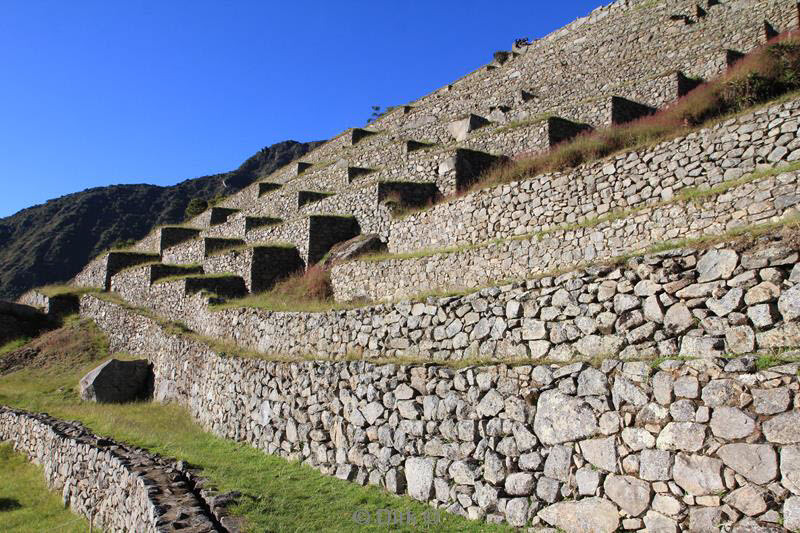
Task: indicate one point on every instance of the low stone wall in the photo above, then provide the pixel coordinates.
(118, 487)
(681, 445)
(747, 204)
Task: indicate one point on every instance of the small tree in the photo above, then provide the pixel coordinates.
(195, 207)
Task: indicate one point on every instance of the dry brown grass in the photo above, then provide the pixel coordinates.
(761, 76)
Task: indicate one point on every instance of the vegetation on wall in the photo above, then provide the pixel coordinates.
(764, 74)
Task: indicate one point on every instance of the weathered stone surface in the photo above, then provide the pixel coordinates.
(517, 510)
(602, 453)
(561, 418)
(771, 401)
(117, 381)
(789, 303)
(686, 436)
(791, 513)
(697, 474)
(716, 264)
(790, 468)
(757, 462)
(419, 476)
(594, 515)
(658, 523)
(355, 247)
(783, 428)
(731, 423)
(747, 500)
(655, 465)
(632, 495)
(520, 484)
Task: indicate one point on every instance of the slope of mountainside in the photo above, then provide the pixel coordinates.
(51, 242)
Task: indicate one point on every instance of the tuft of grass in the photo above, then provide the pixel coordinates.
(51, 291)
(12, 345)
(26, 504)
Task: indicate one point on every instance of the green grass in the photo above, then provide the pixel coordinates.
(12, 345)
(277, 495)
(51, 291)
(26, 504)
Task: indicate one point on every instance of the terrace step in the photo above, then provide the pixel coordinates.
(251, 223)
(226, 286)
(624, 110)
(172, 235)
(98, 273)
(220, 215)
(259, 266)
(265, 187)
(307, 197)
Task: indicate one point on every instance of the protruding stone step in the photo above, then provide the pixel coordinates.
(159, 271)
(352, 173)
(259, 266)
(324, 231)
(301, 166)
(769, 31)
(357, 134)
(560, 130)
(624, 110)
(686, 84)
(172, 235)
(699, 12)
(224, 285)
(407, 194)
(522, 96)
(219, 215)
(265, 187)
(215, 245)
(98, 272)
(413, 146)
(466, 166)
(307, 197)
(732, 57)
(460, 129)
(251, 223)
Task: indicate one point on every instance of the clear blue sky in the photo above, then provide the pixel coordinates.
(105, 92)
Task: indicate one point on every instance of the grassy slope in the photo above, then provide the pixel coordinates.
(26, 504)
(278, 495)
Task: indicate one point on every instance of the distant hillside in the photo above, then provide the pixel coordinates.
(51, 242)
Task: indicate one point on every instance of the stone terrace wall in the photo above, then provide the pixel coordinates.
(702, 159)
(122, 488)
(687, 445)
(684, 301)
(751, 203)
(554, 69)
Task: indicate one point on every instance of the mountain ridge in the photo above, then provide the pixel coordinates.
(51, 242)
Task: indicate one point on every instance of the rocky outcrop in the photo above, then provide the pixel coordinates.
(117, 381)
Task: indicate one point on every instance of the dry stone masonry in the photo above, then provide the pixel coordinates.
(566, 427)
(118, 487)
(682, 301)
(676, 445)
